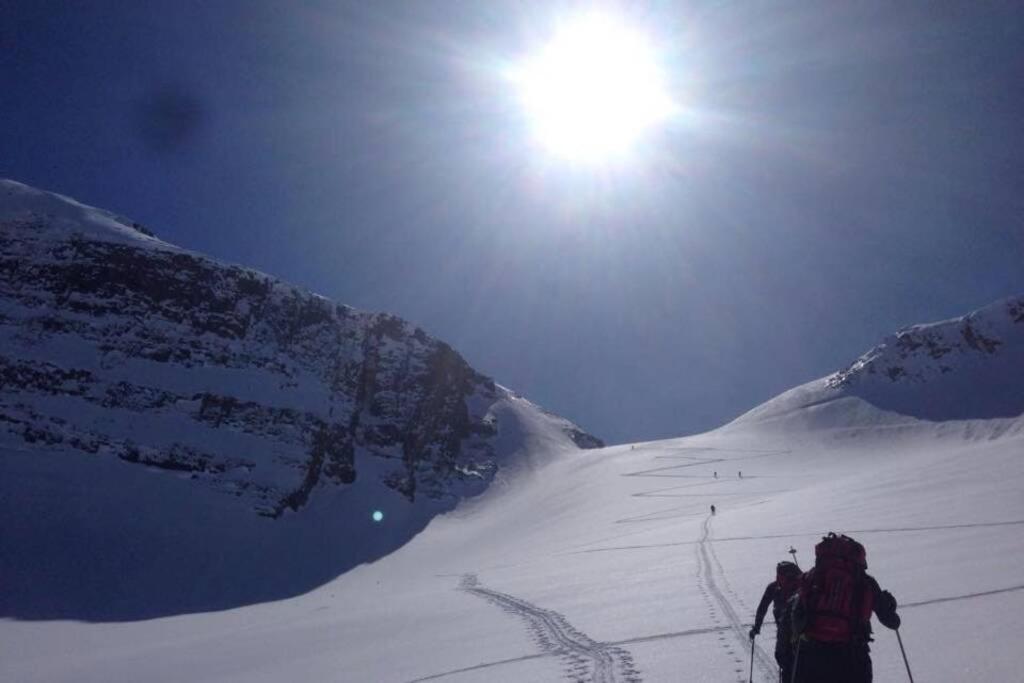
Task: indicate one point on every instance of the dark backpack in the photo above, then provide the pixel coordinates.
(833, 603)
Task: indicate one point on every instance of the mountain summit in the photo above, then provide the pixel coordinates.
(118, 348)
(965, 368)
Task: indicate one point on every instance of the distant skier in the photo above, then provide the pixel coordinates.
(712, 509)
(777, 594)
(831, 614)
(740, 474)
(716, 474)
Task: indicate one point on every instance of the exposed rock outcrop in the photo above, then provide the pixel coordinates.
(118, 344)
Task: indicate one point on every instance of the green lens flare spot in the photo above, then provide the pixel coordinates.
(378, 515)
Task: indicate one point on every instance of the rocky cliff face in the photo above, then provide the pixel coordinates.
(921, 353)
(119, 345)
(971, 367)
(966, 368)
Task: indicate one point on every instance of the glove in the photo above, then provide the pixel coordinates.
(886, 602)
(890, 620)
(754, 631)
(887, 610)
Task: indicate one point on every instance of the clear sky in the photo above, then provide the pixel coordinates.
(834, 172)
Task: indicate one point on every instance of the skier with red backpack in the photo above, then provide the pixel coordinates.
(831, 615)
(777, 594)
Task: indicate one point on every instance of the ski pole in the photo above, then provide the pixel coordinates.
(904, 652)
(796, 660)
(752, 658)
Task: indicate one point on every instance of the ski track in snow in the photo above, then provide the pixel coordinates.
(478, 667)
(671, 470)
(966, 596)
(720, 630)
(819, 532)
(588, 660)
(654, 471)
(707, 569)
(585, 659)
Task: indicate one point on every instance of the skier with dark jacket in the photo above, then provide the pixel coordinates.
(831, 614)
(777, 594)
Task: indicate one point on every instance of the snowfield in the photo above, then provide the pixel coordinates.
(606, 566)
(597, 565)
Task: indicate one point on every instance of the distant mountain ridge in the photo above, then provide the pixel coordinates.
(176, 413)
(965, 368)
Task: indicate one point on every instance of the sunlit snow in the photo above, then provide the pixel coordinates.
(608, 564)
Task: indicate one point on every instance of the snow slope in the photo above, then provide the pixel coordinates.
(146, 391)
(609, 568)
(961, 369)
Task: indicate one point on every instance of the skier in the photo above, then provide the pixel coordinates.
(777, 594)
(831, 614)
(740, 474)
(712, 509)
(716, 474)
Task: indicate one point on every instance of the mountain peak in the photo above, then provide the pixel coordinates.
(54, 215)
(964, 368)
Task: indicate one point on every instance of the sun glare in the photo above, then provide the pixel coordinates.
(593, 90)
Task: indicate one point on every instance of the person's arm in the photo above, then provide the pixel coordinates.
(885, 606)
(762, 608)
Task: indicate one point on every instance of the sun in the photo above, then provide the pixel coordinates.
(594, 90)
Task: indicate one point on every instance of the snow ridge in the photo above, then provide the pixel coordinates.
(966, 368)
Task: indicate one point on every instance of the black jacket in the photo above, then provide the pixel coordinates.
(772, 596)
(884, 604)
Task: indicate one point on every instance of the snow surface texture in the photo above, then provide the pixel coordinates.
(198, 390)
(609, 568)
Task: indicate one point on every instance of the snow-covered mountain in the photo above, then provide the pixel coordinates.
(967, 368)
(123, 355)
(610, 568)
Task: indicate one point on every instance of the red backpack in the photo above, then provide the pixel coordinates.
(833, 596)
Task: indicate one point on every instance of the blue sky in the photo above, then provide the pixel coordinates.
(840, 170)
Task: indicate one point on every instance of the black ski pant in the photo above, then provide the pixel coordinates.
(833, 662)
(784, 655)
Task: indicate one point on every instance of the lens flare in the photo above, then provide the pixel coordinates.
(378, 516)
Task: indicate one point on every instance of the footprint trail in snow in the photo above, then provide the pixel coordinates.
(707, 568)
(585, 659)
